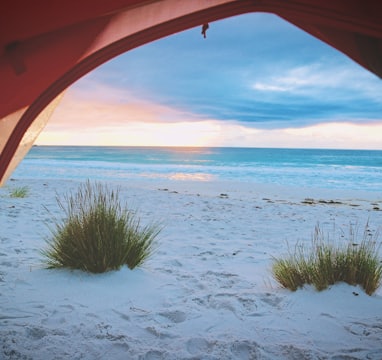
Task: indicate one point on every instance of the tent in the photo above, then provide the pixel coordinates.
(47, 45)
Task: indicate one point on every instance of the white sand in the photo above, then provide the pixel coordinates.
(207, 293)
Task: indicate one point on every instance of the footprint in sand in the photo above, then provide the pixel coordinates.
(174, 316)
(365, 329)
(35, 333)
(294, 352)
(245, 350)
(271, 299)
(122, 315)
(247, 303)
(197, 346)
(153, 355)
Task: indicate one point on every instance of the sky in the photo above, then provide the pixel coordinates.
(255, 81)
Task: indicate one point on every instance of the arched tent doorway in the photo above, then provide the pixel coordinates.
(48, 46)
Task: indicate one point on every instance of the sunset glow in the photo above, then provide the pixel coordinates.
(77, 122)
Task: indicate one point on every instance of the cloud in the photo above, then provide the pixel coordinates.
(95, 105)
(314, 79)
(331, 135)
(250, 82)
(95, 114)
(319, 92)
(254, 69)
(201, 133)
(340, 135)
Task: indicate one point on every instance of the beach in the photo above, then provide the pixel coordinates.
(207, 292)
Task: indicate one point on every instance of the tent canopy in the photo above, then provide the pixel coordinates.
(47, 45)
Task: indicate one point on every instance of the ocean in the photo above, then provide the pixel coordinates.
(335, 169)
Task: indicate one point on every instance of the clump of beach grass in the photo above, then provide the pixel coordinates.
(19, 192)
(98, 233)
(325, 263)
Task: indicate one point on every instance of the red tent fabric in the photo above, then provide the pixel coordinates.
(48, 45)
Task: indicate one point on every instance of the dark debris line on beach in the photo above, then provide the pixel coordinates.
(309, 201)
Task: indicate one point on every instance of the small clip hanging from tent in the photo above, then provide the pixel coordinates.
(204, 29)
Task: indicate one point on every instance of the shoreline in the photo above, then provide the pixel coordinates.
(213, 186)
(207, 292)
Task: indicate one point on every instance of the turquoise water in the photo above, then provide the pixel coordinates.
(345, 169)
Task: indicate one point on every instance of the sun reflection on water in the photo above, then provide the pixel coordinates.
(180, 176)
(194, 176)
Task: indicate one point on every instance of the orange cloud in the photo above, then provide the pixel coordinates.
(96, 104)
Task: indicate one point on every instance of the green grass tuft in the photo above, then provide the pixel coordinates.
(98, 234)
(19, 192)
(355, 263)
